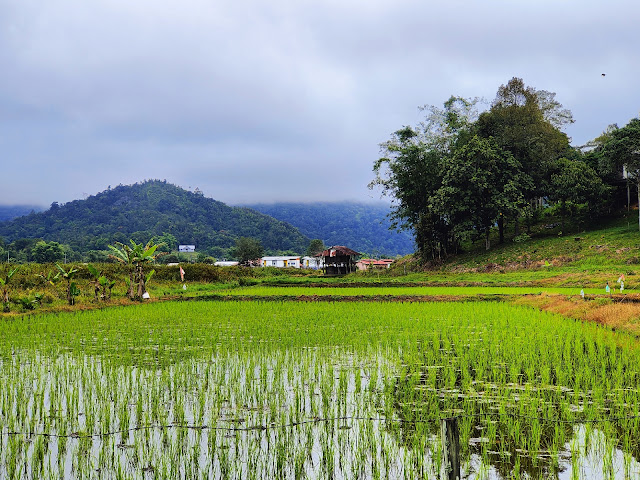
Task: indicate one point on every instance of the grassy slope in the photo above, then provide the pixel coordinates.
(586, 259)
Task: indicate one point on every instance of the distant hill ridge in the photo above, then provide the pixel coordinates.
(363, 227)
(153, 208)
(9, 212)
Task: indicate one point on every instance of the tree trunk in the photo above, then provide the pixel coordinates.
(140, 282)
(501, 228)
(132, 281)
(487, 241)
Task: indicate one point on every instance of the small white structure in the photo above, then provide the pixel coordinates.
(314, 263)
(281, 262)
(225, 264)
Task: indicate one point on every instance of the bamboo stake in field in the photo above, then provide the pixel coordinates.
(450, 449)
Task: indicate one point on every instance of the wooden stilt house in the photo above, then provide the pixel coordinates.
(339, 260)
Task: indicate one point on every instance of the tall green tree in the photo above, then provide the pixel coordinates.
(573, 183)
(621, 150)
(315, 246)
(47, 252)
(247, 250)
(411, 170)
(481, 184)
(526, 122)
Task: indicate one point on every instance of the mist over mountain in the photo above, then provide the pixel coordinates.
(363, 227)
(9, 212)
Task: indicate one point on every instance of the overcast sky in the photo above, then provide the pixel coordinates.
(279, 100)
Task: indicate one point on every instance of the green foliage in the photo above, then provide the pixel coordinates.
(364, 227)
(457, 176)
(482, 183)
(621, 148)
(72, 289)
(47, 252)
(523, 237)
(574, 183)
(247, 250)
(147, 210)
(100, 284)
(4, 284)
(31, 303)
(136, 256)
(315, 246)
(50, 278)
(527, 122)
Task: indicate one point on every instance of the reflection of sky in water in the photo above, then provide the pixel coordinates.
(288, 395)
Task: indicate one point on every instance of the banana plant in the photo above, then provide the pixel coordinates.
(105, 283)
(124, 254)
(29, 303)
(72, 288)
(74, 291)
(95, 282)
(50, 278)
(4, 282)
(136, 256)
(100, 284)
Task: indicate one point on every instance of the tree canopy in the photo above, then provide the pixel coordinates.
(247, 250)
(460, 174)
(152, 209)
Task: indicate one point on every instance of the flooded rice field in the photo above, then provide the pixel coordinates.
(332, 390)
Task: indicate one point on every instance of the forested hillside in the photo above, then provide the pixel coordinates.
(153, 208)
(361, 226)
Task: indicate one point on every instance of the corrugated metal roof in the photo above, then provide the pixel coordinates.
(339, 250)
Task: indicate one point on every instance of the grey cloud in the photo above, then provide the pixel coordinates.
(233, 96)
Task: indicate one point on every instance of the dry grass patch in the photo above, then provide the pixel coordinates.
(612, 312)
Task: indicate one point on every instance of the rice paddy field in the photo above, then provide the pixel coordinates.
(340, 390)
(402, 291)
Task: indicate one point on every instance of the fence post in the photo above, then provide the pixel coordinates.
(450, 449)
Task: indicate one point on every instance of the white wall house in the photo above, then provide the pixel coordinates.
(315, 263)
(281, 262)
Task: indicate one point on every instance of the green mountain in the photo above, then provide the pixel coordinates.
(153, 208)
(364, 227)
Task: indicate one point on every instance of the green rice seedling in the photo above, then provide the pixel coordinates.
(323, 372)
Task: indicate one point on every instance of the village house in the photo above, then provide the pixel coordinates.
(281, 262)
(339, 260)
(223, 263)
(369, 263)
(314, 263)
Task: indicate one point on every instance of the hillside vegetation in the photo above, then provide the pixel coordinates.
(363, 227)
(616, 246)
(153, 208)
